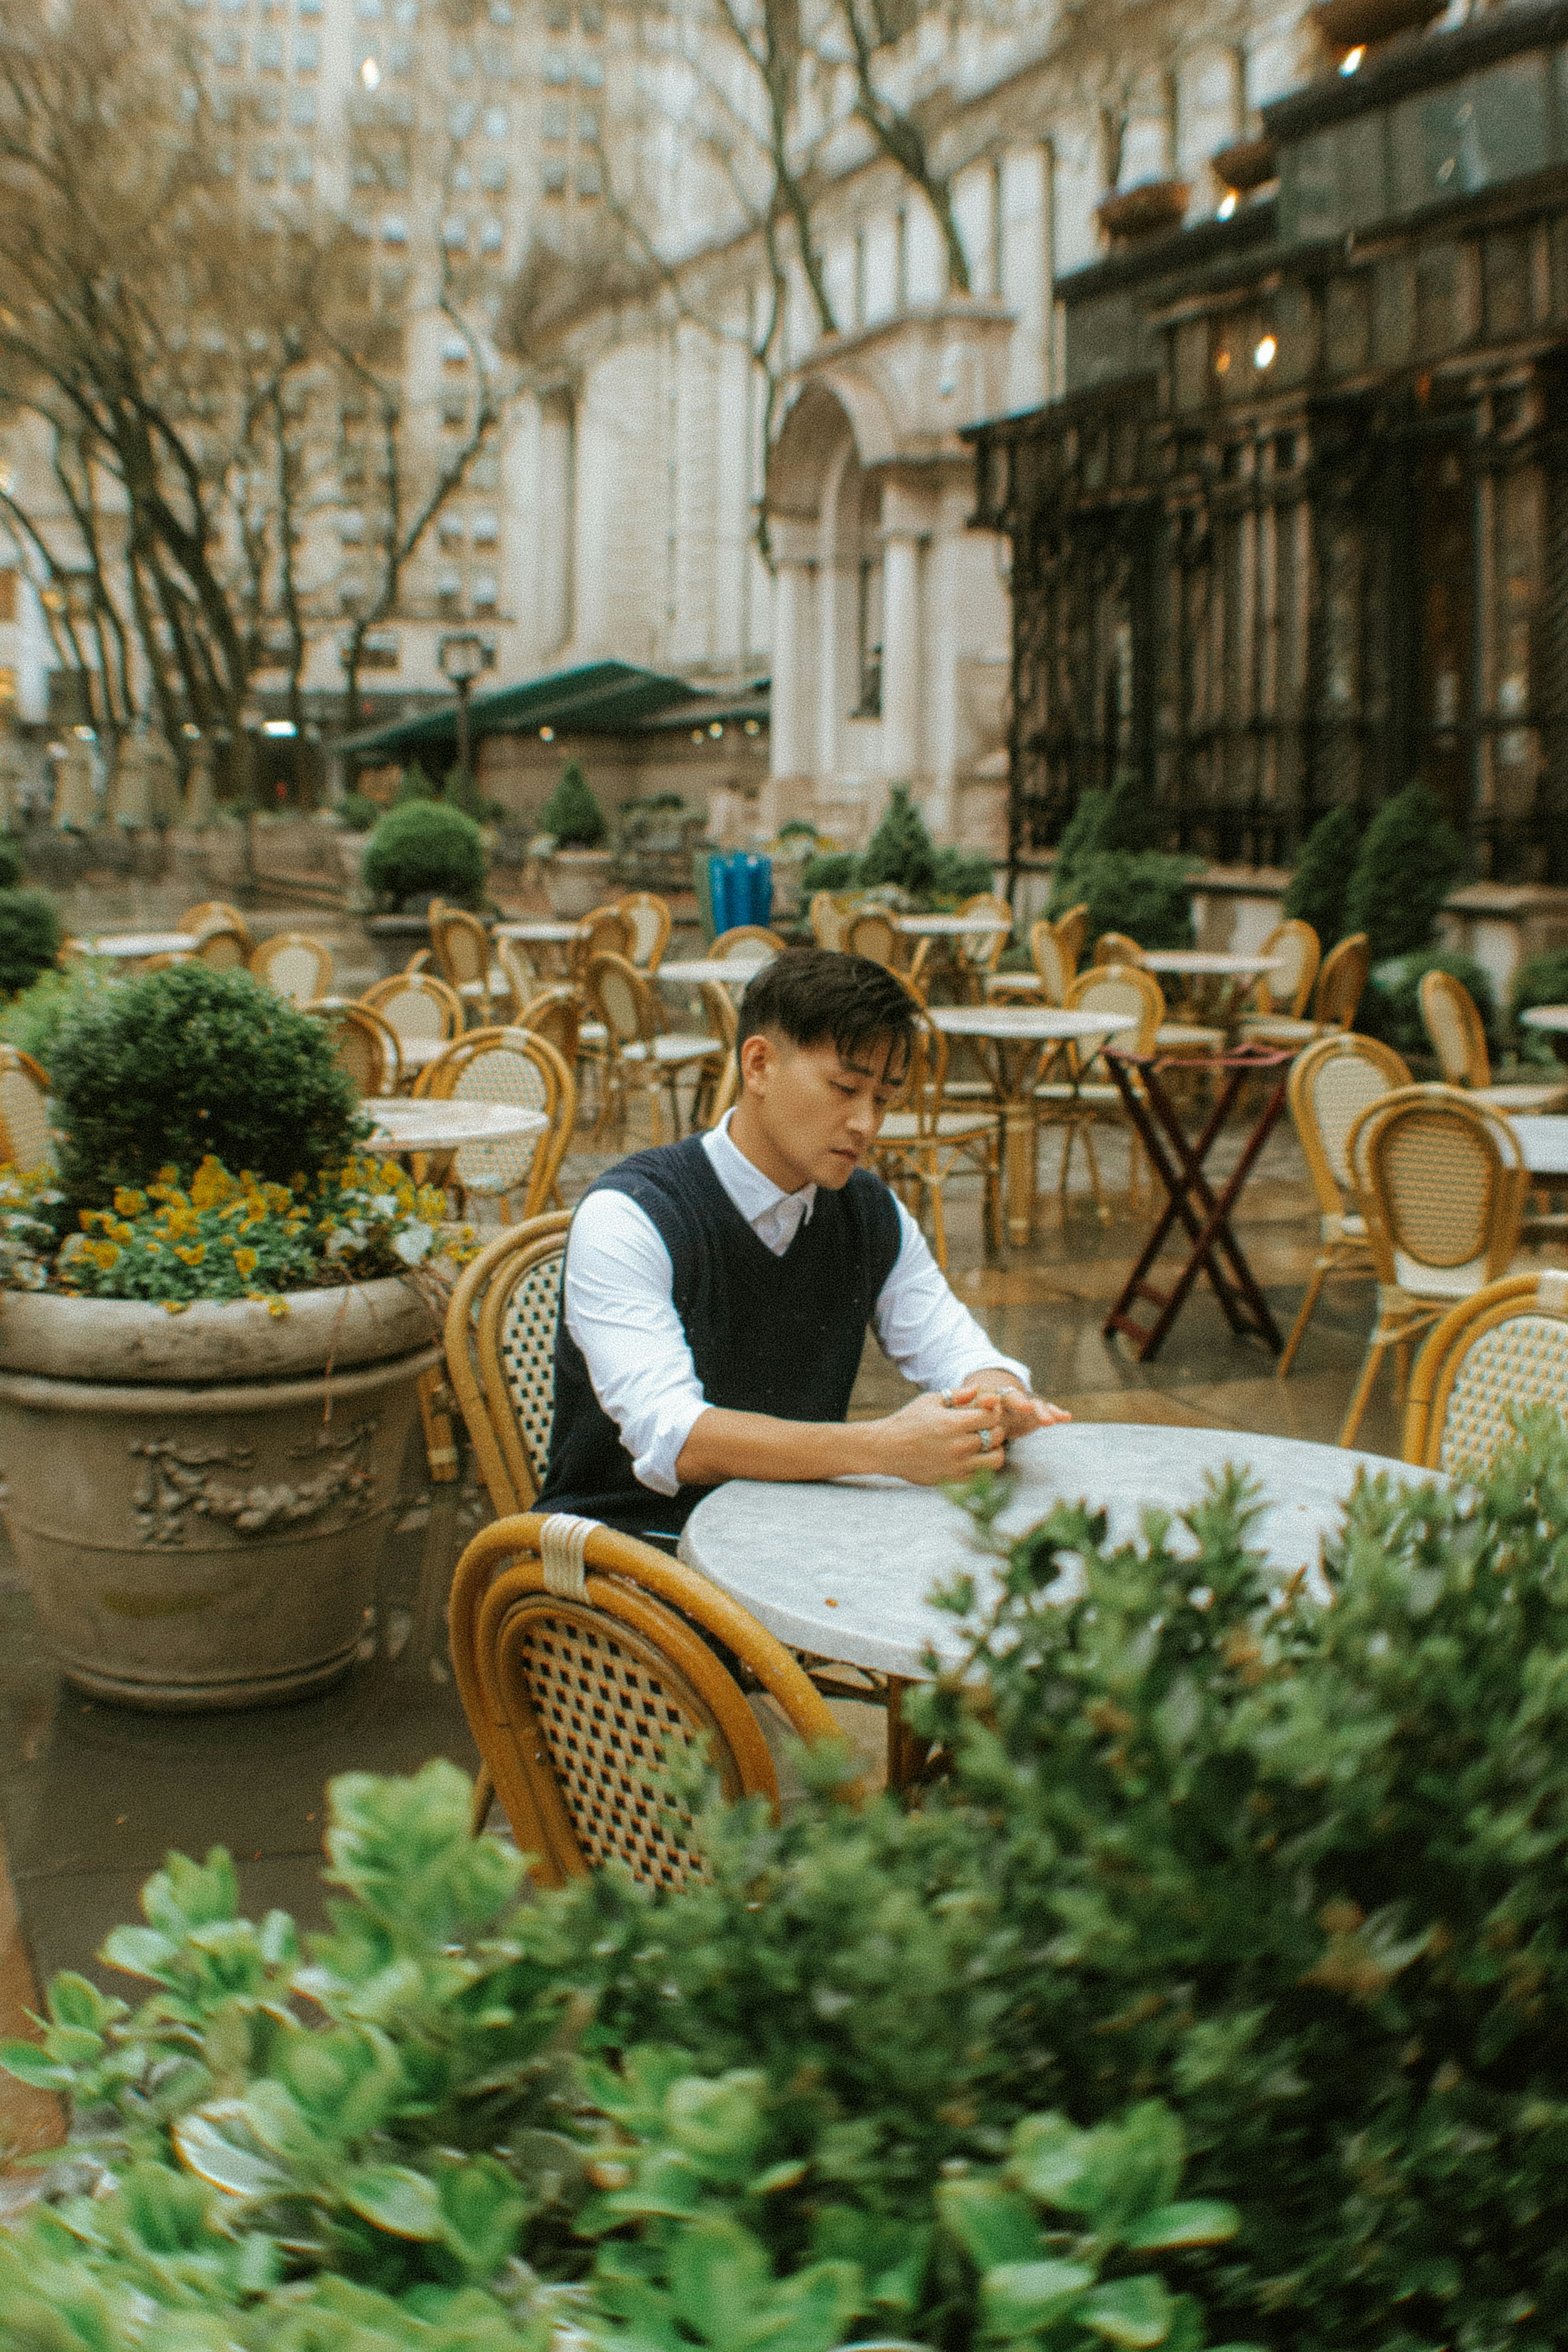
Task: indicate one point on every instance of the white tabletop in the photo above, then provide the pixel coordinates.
(949, 927)
(418, 1053)
(844, 1570)
(729, 971)
(1201, 962)
(140, 943)
(426, 1126)
(1543, 1140)
(540, 927)
(1024, 1022)
(1544, 1016)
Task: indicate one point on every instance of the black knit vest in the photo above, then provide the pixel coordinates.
(775, 1335)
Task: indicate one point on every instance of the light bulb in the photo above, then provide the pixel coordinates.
(1351, 60)
(1263, 355)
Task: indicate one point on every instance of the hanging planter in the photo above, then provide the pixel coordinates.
(1153, 209)
(1346, 25)
(1245, 164)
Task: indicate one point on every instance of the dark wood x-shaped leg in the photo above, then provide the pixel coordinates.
(1203, 1213)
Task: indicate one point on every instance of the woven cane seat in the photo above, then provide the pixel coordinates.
(294, 966)
(500, 1075)
(500, 1355)
(525, 1341)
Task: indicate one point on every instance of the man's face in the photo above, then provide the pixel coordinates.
(816, 1109)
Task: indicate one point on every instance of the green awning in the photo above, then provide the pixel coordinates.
(601, 698)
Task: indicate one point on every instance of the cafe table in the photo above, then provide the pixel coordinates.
(949, 927)
(447, 1125)
(843, 1571)
(1553, 1021)
(130, 947)
(541, 931)
(1212, 981)
(1544, 1141)
(725, 971)
(1010, 1040)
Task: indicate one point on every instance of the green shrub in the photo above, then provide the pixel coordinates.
(461, 791)
(962, 874)
(1318, 889)
(35, 1019)
(1391, 1003)
(830, 869)
(1539, 980)
(423, 851)
(360, 815)
(1410, 859)
(572, 816)
(11, 867)
(900, 850)
(31, 935)
(1144, 893)
(179, 1064)
(414, 784)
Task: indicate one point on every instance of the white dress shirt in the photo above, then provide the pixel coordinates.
(620, 1309)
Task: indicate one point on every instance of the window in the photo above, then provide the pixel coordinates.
(351, 592)
(588, 125)
(400, 56)
(351, 527)
(367, 7)
(463, 179)
(492, 234)
(556, 120)
(268, 105)
(552, 179)
(487, 530)
(455, 350)
(232, 7)
(309, 7)
(558, 16)
(449, 530)
(492, 175)
(302, 108)
(486, 592)
(460, 118)
(495, 63)
(461, 65)
(307, 52)
(406, 11)
(590, 72)
(590, 180)
(269, 52)
(497, 122)
(501, 12)
(379, 650)
(557, 69)
(449, 586)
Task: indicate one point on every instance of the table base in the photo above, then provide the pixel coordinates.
(1191, 1199)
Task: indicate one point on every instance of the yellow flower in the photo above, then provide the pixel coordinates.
(102, 1254)
(192, 1253)
(246, 1262)
(175, 1306)
(128, 1203)
(212, 1186)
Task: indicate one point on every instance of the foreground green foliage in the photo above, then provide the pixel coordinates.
(422, 850)
(35, 1019)
(31, 936)
(901, 857)
(1225, 1974)
(178, 1064)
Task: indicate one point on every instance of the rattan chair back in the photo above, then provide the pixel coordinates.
(1046, 953)
(1119, 988)
(1294, 950)
(580, 1657)
(517, 970)
(1331, 1084)
(221, 948)
(604, 931)
(1116, 947)
(26, 1140)
(1444, 1183)
(1505, 1347)
(365, 1046)
(1454, 1025)
(872, 932)
(741, 937)
(555, 1014)
(216, 914)
(515, 1067)
(500, 1355)
(1340, 980)
(417, 1006)
(981, 950)
(623, 1000)
(1072, 929)
(295, 965)
(462, 946)
(827, 916)
(647, 919)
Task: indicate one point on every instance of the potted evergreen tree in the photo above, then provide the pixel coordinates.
(575, 865)
(214, 1319)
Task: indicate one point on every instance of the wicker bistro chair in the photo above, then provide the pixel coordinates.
(979, 953)
(741, 937)
(644, 1057)
(216, 914)
(365, 1046)
(581, 1660)
(647, 918)
(462, 948)
(418, 1007)
(1116, 947)
(221, 946)
(1295, 950)
(1341, 977)
(555, 1014)
(1082, 1101)
(923, 1142)
(873, 932)
(604, 931)
(827, 915)
(1336, 1078)
(26, 1138)
(500, 1356)
(724, 1021)
(515, 979)
(1505, 1347)
(1051, 977)
(1442, 1184)
(506, 1066)
(295, 965)
(1459, 1038)
(1072, 929)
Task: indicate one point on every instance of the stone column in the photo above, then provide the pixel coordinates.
(789, 726)
(902, 663)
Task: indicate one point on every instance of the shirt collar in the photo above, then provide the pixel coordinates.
(753, 1193)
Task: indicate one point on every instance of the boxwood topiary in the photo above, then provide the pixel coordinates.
(572, 816)
(1410, 859)
(901, 850)
(188, 1061)
(1144, 893)
(424, 850)
(1391, 1003)
(30, 936)
(1317, 890)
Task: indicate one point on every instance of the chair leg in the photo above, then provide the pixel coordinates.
(1401, 1366)
(1101, 1211)
(931, 1184)
(435, 1405)
(1377, 1347)
(1304, 1316)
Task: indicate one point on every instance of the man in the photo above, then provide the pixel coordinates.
(718, 1291)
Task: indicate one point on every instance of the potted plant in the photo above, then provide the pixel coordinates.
(212, 1331)
(422, 849)
(1154, 208)
(1245, 164)
(1345, 25)
(572, 824)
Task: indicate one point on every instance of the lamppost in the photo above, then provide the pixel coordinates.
(462, 658)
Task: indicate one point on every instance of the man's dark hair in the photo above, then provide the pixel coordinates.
(816, 993)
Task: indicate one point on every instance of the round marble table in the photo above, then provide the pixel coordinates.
(845, 1571)
(130, 947)
(1013, 1033)
(949, 927)
(447, 1125)
(1544, 1141)
(1552, 1020)
(1206, 963)
(538, 930)
(725, 971)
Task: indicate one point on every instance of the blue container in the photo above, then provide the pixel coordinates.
(741, 890)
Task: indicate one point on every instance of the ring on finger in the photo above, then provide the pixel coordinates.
(986, 1438)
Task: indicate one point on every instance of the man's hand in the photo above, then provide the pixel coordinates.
(1020, 1411)
(940, 1441)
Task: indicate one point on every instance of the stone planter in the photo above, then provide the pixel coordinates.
(575, 880)
(1153, 210)
(1345, 25)
(199, 1501)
